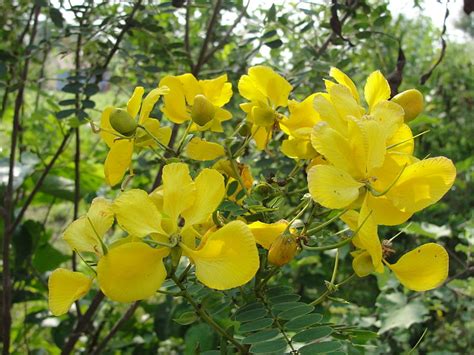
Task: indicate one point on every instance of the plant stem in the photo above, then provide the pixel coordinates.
(205, 317)
(330, 291)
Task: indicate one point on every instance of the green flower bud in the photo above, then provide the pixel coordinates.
(122, 122)
(412, 103)
(203, 110)
(282, 250)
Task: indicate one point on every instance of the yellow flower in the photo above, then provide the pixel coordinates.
(124, 129)
(198, 100)
(199, 149)
(266, 91)
(298, 127)
(421, 269)
(371, 154)
(243, 170)
(224, 258)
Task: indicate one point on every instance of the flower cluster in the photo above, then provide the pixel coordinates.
(360, 161)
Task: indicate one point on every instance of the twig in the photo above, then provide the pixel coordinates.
(82, 324)
(125, 317)
(8, 199)
(224, 39)
(424, 78)
(210, 28)
(186, 32)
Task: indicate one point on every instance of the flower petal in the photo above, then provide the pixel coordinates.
(137, 214)
(131, 272)
(298, 149)
(210, 190)
(218, 90)
(328, 113)
(199, 149)
(302, 115)
(423, 268)
(390, 115)
(65, 287)
(385, 213)
(343, 79)
(162, 134)
(266, 233)
(332, 187)
(83, 233)
(149, 102)
(228, 258)
(368, 236)
(376, 89)
(179, 190)
(344, 102)
(118, 161)
(174, 107)
(362, 264)
(133, 105)
(106, 127)
(423, 183)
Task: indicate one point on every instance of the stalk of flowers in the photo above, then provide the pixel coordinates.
(369, 166)
(166, 222)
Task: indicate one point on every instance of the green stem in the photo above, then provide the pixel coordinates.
(328, 222)
(330, 291)
(183, 138)
(205, 317)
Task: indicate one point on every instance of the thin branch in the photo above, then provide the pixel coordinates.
(210, 30)
(8, 199)
(224, 39)
(186, 31)
(424, 78)
(82, 324)
(125, 317)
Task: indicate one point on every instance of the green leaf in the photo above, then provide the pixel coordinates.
(318, 348)
(311, 334)
(284, 298)
(65, 113)
(47, 258)
(91, 89)
(186, 318)
(279, 290)
(284, 306)
(72, 88)
(255, 325)
(199, 336)
(269, 34)
(276, 345)
(56, 17)
(251, 315)
(276, 43)
(304, 321)
(264, 335)
(232, 188)
(296, 312)
(271, 14)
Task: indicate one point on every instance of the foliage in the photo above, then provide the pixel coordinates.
(62, 63)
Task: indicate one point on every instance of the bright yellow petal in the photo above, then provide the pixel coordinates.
(174, 107)
(335, 148)
(118, 161)
(228, 258)
(328, 113)
(133, 105)
(263, 83)
(210, 190)
(332, 187)
(390, 115)
(190, 86)
(131, 272)
(344, 102)
(179, 191)
(423, 184)
(376, 89)
(83, 234)
(373, 143)
(302, 115)
(298, 149)
(368, 236)
(261, 136)
(65, 287)
(343, 79)
(162, 134)
(106, 128)
(266, 233)
(412, 103)
(385, 213)
(137, 214)
(149, 102)
(423, 268)
(402, 141)
(217, 90)
(362, 264)
(199, 149)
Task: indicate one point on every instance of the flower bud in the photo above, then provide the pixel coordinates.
(282, 250)
(122, 122)
(412, 103)
(203, 110)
